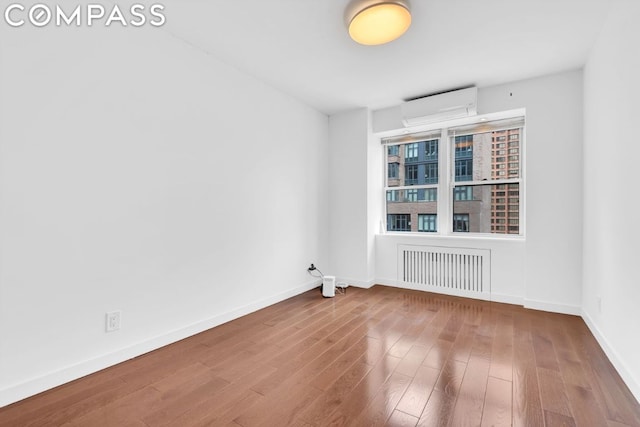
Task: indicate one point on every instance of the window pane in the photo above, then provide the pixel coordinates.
(411, 175)
(412, 204)
(415, 163)
(393, 170)
(482, 156)
(427, 223)
(474, 214)
(463, 193)
(411, 153)
(461, 223)
(398, 222)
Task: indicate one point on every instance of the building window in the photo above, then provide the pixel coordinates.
(393, 150)
(392, 196)
(431, 173)
(461, 223)
(464, 170)
(428, 195)
(411, 175)
(431, 150)
(399, 222)
(464, 147)
(411, 153)
(392, 170)
(428, 223)
(463, 193)
(483, 179)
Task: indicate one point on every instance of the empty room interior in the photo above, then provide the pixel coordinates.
(252, 214)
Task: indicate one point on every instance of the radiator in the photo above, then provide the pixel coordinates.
(454, 271)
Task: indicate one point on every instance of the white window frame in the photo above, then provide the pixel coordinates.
(446, 182)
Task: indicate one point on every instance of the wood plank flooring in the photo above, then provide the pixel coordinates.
(377, 357)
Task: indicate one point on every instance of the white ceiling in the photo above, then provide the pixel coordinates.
(302, 48)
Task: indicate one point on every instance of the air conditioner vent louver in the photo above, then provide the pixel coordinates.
(438, 108)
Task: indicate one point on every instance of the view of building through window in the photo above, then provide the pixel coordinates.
(486, 174)
(413, 209)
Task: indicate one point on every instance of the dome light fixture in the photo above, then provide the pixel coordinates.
(374, 22)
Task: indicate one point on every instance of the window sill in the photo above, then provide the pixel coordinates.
(458, 236)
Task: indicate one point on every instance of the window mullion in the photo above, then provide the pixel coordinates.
(444, 185)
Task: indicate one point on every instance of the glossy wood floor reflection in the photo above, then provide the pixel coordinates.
(381, 356)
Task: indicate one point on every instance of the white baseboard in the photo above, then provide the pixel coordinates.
(553, 307)
(388, 282)
(507, 299)
(613, 356)
(356, 283)
(42, 383)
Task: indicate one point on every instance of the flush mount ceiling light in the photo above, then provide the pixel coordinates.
(373, 22)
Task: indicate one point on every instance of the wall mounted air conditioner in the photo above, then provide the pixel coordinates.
(441, 107)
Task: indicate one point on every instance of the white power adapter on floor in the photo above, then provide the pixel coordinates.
(329, 286)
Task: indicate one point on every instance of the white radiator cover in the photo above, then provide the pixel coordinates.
(455, 271)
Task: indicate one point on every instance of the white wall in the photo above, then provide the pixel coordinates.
(553, 261)
(351, 243)
(141, 175)
(544, 270)
(611, 154)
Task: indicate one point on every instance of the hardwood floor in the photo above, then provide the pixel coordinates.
(381, 356)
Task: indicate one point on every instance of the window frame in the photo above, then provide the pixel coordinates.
(446, 170)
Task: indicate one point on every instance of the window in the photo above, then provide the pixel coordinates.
(428, 223)
(411, 175)
(477, 179)
(393, 170)
(464, 147)
(415, 191)
(464, 169)
(431, 173)
(393, 150)
(431, 150)
(463, 193)
(428, 195)
(399, 222)
(411, 153)
(461, 223)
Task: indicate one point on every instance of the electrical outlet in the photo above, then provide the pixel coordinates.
(113, 320)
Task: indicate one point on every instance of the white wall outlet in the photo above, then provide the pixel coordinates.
(113, 320)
